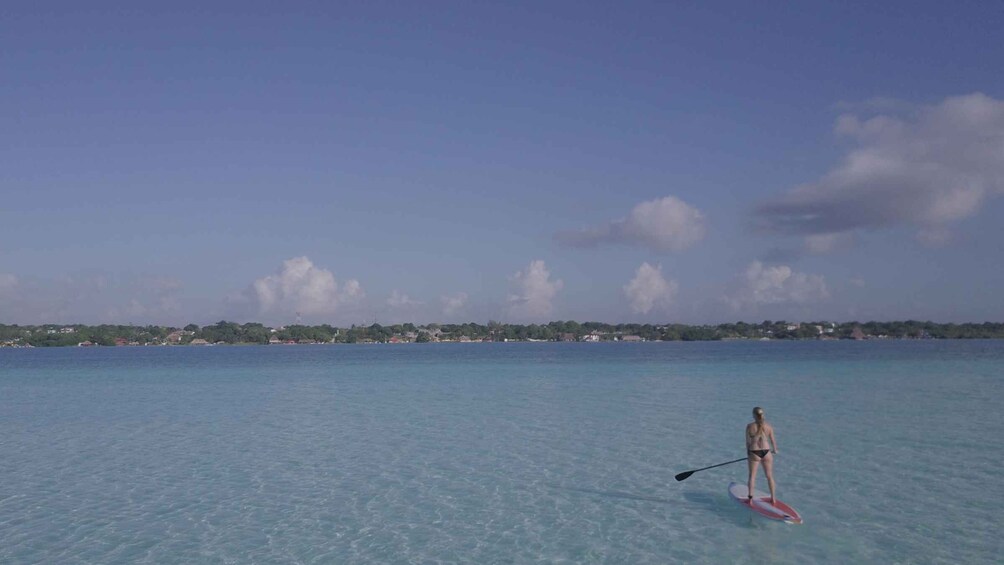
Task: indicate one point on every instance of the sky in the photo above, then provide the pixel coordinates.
(389, 162)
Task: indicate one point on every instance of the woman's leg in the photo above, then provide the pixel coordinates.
(768, 469)
(753, 462)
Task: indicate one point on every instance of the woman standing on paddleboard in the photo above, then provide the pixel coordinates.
(758, 450)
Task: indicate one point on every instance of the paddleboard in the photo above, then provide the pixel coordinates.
(762, 506)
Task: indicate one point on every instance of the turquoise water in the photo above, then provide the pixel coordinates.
(498, 453)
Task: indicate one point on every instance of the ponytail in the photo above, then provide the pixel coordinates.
(758, 417)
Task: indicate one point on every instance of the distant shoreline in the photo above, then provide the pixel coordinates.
(253, 333)
(376, 343)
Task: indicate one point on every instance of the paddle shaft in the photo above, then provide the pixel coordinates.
(686, 474)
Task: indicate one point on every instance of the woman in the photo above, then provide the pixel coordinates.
(759, 445)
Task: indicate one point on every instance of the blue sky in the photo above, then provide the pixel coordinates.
(521, 162)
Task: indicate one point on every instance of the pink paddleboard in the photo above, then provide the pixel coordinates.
(762, 506)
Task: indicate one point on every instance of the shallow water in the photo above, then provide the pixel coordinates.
(498, 453)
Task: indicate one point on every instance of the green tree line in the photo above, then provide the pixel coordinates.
(51, 335)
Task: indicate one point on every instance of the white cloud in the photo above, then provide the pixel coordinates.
(453, 304)
(352, 291)
(400, 300)
(664, 224)
(823, 243)
(932, 167)
(770, 285)
(300, 286)
(534, 292)
(649, 289)
(858, 281)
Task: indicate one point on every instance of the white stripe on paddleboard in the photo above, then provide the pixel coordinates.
(759, 504)
(765, 506)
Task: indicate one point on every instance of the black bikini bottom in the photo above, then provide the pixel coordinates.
(761, 453)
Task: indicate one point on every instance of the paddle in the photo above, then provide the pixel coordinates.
(684, 475)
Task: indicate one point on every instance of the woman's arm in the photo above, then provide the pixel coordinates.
(773, 441)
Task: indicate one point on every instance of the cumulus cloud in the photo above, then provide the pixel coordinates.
(300, 286)
(400, 300)
(664, 224)
(933, 166)
(534, 291)
(764, 285)
(453, 304)
(352, 290)
(649, 289)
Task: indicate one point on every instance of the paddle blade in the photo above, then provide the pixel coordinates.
(684, 475)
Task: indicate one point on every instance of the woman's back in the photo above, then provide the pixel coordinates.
(757, 434)
(759, 441)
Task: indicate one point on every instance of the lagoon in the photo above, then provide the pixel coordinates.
(498, 453)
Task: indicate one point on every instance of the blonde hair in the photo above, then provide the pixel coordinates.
(758, 416)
